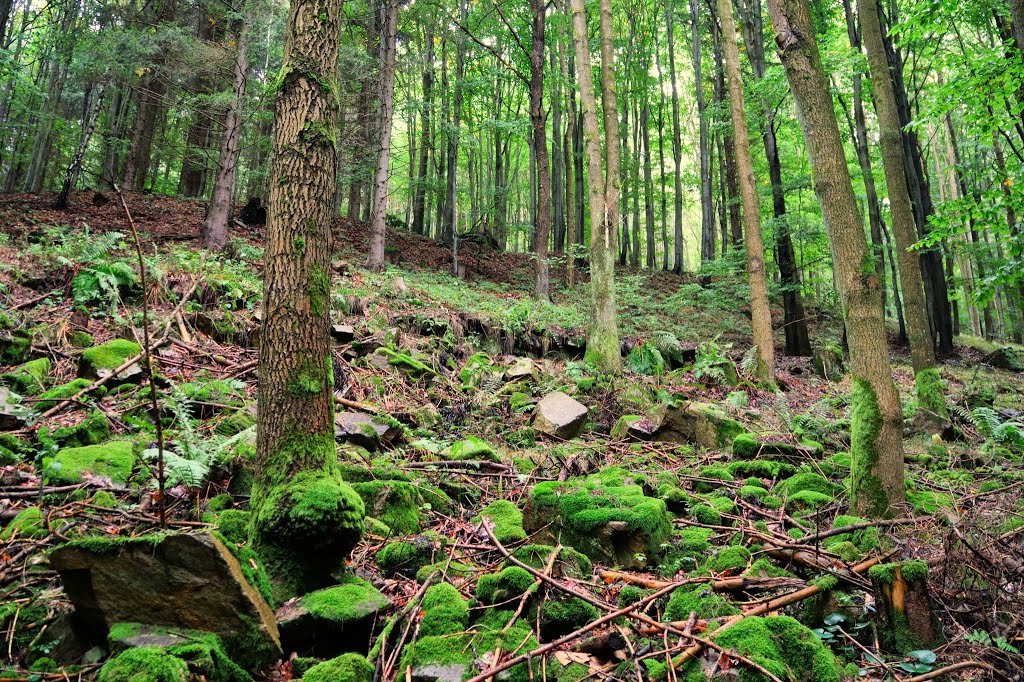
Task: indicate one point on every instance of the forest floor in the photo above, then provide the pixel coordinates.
(695, 498)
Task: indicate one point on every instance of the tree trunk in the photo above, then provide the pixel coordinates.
(798, 341)
(707, 216)
(677, 147)
(931, 402)
(645, 132)
(540, 144)
(876, 422)
(217, 225)
(760, 311)
(557, 161)
(603, 337)
(389, 24)
(305, 519)
(419, 201)
(75, 168)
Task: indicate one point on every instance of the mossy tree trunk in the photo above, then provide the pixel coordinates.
(761, 315)
(905, 611)
(930, 400)
(305, 519)
(603, 340)
(876, 420)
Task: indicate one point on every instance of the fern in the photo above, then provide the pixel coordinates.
(103, 284)
(645, 358)
(713, 364)
(996, 429)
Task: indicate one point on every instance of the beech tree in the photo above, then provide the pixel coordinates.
(876, 428)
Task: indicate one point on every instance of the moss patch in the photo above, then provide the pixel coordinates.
(394, 503)
(29, 378)
(506, 585)
(144, 664)
(28, 524)
(114, 460)
(445, 611)
(344, 668)
(784, 647)
(107, 356)
(507, 520)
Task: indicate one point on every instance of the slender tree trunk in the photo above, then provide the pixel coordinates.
(540, 145)
(876, 423)
(557, 171)
(75, 167)
(707, 222)
(760, 311)
(218, 215)
(661, 155)
(301, 541)
(603, 339)
(419, 201)
(378, 228)
(677, 146)
(645, 132)
(451, 203)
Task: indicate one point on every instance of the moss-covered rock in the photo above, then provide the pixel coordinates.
(202, 652)
(762, 445)
(344, 668)
(605, 516)
(55, 395)
(394, 503)
(12, 449)
(732, 559)
(864, 539)
(28, 524)
(404, 558)
(761, 468)
(471, 448)
(447, 569)
(144, 664)
(783, 646)
(114, 460)
(15, 343)
(559, 617)
(93, 429)
(569, 563)
(98, 361)
(807, 480)
(333, 620)
(445, 611)
(699, 599)
(704, 424)
(28, 378)
(509, 583)
(450, 658)
(507, 520)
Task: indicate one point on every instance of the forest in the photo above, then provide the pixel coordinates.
(480, 340)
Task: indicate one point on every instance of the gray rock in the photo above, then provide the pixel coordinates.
(701, 423)
(522, 368)
(12, 415)
(439, 672)
(185, 581)
(559, 415)
(363, 430)
(343, 333)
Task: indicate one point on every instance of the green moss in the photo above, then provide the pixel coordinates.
(319, 287)
(631, 594)
(866, 491)
(344, 668)
(706, 515)
(865, 539)
(752, 493)
(144, 664)
(445, 568)
(575, 672)
(394, 503)
(403, 557)
(507, 584)
(462, 651)
(234, 524)
(471, 448)
(559, 617)
(930, 392)
(911, 570)
(220, 502)
(15, 345)
(569, 563)
(406, 362)
(620, 431)
(925, 501)
(202, 652)
(44, 664)
(109, 355)
(695, 541)
(114, 460)
(764, 568)
(445, 611)
(733, 559)
(92, 430)
(807, 480)
(28, 524)
(807, 499)
(749, 446)
(701, 599)
(761, 468)
(80, 339)
(29, 378)
(784, 647)
(105, 498)
(351, 601)
(507, 520)
(716, 472)
(838, 465)
(56, 394)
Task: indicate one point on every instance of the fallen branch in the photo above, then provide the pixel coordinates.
(963, 665)
(734, 584)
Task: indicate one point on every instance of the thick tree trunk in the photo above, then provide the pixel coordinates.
(305, 519)
(217, 225)
(876, 421)
(378, 228)
(760, 311)
(931, 402)
(603, 337)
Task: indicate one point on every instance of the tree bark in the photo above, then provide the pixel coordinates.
(876, 421)
(931, 402)
(603, 337)
(378, 228)
(542, 224)
(677, 148)
(645, 115)
(419, 200)
(760, 311)
(305, 518)
(218, 215)
(707, 215)
(75, 167)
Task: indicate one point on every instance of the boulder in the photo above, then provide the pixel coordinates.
(343, 333)
(559, 415)
(828, 363)
(187, 581)
(633, 427)
(30, 377)
(331, 621)
(100, 362)
(113, 460)
(765, 445)
(363, 430)
(12, 415)
(522, 368)
(700, 423)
